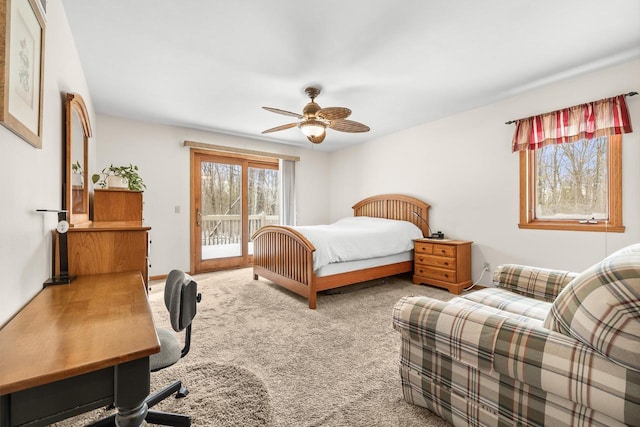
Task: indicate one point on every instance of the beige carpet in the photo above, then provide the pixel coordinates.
(261, 357)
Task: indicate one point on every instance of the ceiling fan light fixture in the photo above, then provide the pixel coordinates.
(313, 128)
(315, 120)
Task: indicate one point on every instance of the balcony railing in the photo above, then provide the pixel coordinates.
(226, 229)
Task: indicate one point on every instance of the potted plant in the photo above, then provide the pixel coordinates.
(119, 177)
(77, 174)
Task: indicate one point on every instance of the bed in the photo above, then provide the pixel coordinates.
(284, 255)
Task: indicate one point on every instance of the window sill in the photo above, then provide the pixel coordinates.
(602, 227)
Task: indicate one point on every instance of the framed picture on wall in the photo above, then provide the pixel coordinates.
(22, 31)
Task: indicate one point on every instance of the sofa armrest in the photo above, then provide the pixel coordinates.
(534, 282)
(463, 332)
(563, 366)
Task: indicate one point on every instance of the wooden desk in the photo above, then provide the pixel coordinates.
(78, 347)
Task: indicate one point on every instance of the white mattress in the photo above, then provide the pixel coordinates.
(359, 238)
(345, 267)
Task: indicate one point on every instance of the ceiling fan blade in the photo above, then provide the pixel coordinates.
(317, 139)
(334, 113)
(283, 112)
(283, 127)
(348, 126)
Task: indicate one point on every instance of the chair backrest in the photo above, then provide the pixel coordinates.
(180, 297)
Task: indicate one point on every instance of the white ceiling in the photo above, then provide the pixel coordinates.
(212, 64)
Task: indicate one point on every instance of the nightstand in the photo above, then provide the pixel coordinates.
(444, 263)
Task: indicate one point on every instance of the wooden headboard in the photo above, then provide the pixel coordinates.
(395, 206)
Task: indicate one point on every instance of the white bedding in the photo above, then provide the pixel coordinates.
(357, 238)
(361, 264)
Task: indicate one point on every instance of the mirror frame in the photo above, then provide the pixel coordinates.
(75, 104)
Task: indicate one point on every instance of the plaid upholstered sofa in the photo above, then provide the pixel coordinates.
(542, 348)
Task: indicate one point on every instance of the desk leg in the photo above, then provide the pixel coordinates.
(131, 389)
(5, 416)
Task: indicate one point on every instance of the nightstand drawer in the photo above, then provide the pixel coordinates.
(436, 273)
(436, 261)
(423, 248)
(444, 250)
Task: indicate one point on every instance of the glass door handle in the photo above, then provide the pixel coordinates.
(198, 218)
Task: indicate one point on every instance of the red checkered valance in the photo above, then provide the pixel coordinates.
(591, 120)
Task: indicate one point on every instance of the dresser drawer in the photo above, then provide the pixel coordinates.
(436, 273)
(444, 250)
(436, 261)
(423, 248)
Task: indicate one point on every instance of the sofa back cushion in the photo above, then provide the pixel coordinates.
(601, 308)
(533, 282)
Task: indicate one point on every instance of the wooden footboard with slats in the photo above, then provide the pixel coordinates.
(284, 256)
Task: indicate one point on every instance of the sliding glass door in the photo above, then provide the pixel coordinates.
(231, 198)
(263, 203)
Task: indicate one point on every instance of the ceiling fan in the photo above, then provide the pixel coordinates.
(315, 120)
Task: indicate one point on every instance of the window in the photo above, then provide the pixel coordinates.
(573, 186)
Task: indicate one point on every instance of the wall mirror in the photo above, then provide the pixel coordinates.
(76, 175)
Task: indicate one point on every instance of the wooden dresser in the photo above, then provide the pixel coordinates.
(443, 263)
(115, 241)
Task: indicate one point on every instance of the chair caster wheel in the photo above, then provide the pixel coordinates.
(182, 392)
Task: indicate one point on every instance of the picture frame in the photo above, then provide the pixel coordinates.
(22, 37)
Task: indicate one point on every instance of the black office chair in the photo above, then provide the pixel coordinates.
(180, 298)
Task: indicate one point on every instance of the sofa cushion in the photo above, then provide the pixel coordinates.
(510, 302)
(601, 307)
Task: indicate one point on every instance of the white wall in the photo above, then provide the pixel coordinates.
(163, 161)
(32, 178)
(463, 166)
